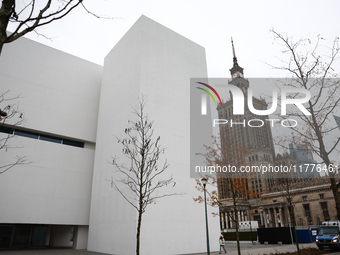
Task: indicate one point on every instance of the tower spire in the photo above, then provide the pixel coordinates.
(232, 44)
(234, 55)
(236, 71)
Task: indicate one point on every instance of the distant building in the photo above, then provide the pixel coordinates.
(304, 161)
(270, 209)
(313, 202)
(288, 160)
(257, 141)
(337, 120)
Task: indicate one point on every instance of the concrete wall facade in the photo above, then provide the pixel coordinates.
(59, 96)
(158, 63)
(69, 98)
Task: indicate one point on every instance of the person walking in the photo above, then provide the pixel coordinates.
(222, 241)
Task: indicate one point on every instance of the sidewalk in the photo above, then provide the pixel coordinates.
(246, 249)
(260, 249)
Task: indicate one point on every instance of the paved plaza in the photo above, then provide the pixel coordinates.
(246, 249)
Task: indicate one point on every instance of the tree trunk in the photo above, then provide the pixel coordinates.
(334, 185)
(336, 195)
(6, 11)
(238, 237)
(1, 46)
(294, 225)
(325, 156)
(237, 227)
(139, 224)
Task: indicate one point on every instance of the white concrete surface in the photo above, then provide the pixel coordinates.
(80, 237)
(70, 98)
(59, 96)
(157, 62)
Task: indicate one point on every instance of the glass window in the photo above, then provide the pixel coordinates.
(307, 211)
(47, 138)
(38, 236)
(6, 130)
(328, 231)
(73, 143)
(5, 236)
(325, 210)
(50, 139)
(26, 134)
(21, 236)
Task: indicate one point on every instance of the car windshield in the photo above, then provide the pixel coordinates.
(328, 231)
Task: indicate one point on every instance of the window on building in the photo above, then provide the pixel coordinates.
(73, 143)
(324, 208)
(307, 212)
(322, 196)
(6, 130)
(50, 139)
(304, 198)
(26, 134)
(43, 137)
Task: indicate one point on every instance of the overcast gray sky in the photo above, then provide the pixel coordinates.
(208, 23)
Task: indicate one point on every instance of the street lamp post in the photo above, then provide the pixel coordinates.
(204, 182)
(251, 233)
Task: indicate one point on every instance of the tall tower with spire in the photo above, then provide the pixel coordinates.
(237, 75)
(236, 71)
(258, 140)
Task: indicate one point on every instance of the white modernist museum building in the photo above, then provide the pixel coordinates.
(73, 112)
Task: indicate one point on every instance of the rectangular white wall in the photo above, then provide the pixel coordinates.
(157, 62)
(59, 96)
(80, 237)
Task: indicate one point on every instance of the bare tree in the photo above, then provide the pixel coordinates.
(230, 189)
(31, 15)
(289, 195)
(313, 71)
(143, 175)
(10, 117)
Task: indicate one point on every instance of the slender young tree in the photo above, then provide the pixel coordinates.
(308, 68)
(27, 17)
(289, 195)
(10, 117)
(144, 173)
(228, 188)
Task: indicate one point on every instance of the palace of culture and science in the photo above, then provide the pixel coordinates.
(258, 141)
